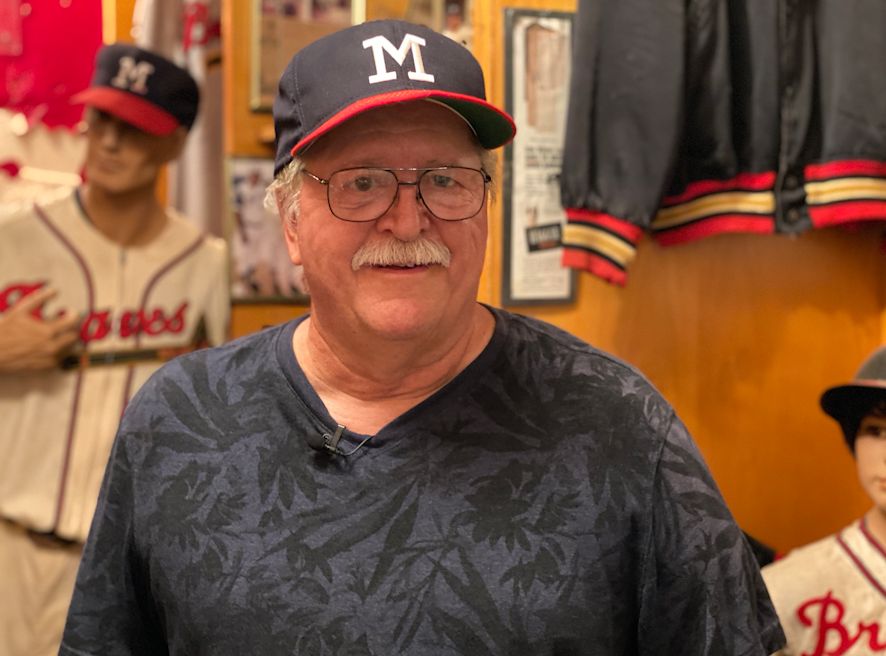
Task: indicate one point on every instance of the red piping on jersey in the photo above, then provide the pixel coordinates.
(855, 559)
(75, 403)
(863, 524)
(127, 388)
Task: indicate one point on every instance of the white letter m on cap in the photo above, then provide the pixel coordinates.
(411, 44)
(133, 76)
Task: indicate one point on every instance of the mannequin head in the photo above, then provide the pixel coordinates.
(859, 406)
(139, 108)
(870, 455)
(121, 158)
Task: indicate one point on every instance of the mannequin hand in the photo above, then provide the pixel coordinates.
(28, 343)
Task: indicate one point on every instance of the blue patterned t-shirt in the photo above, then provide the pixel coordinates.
(546, 501)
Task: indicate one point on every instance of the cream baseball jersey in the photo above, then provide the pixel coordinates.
(831, 595)
(136, 304)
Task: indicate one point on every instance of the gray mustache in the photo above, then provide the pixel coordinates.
(394, 252)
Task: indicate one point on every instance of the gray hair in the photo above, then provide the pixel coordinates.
(282, 195)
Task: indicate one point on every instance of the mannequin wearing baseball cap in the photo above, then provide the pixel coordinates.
(97, 288)
(405, 470)
(831, 595)
(138, 110)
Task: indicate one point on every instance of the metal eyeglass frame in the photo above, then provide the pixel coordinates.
(325, 182)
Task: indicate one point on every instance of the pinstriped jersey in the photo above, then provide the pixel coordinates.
(58, 426)
(831, 595)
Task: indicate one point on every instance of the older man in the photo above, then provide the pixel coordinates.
(406, 471)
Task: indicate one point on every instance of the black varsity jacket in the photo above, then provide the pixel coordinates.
(689, 118)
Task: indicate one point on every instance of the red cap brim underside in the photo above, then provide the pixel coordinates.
(129, 108)
(492, 126)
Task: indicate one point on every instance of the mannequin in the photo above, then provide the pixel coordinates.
(830, 594)
(96, 288)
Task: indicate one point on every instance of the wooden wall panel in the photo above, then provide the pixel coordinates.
(247, 133)
(117, 20)
(741, 333)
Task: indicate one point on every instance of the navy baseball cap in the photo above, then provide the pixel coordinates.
(374, 64)
(849, 403)
(143, 89)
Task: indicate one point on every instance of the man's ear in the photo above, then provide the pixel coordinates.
(290, 234)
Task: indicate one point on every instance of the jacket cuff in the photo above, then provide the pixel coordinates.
(600, 244)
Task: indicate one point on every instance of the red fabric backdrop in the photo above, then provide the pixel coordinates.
(47, 53)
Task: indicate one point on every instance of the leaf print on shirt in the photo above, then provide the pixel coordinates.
(499, 503)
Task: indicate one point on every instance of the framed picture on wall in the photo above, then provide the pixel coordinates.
(538, 47)
(452, 17)
(261, 271)
(281, 27)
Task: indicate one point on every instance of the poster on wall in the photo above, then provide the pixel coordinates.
(537, 68)
(260, 267)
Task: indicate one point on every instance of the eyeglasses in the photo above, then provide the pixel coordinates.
(450, 193)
